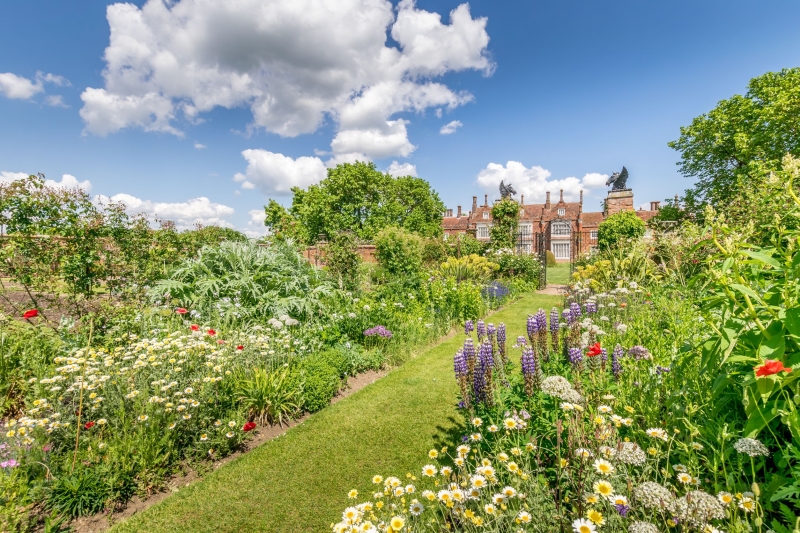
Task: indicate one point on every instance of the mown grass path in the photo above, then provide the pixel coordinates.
(298, 482)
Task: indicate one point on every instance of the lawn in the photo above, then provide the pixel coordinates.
(299, 482)
(558, 275)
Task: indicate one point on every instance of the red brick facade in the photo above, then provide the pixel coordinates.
(559, 221)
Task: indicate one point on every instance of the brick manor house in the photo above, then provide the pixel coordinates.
(558, 223)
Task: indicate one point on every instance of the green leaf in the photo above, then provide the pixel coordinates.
(792, 321)
(773, 348)
(764, 258)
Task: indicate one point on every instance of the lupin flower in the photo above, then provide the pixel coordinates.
(462, 375)
(521, 341)
(575, 356)
(574, 313)
(616, 363)
(528, 363)
(591, 307)
(532, 327)
(469, 354)
(501, 341)
(469, 326)
(481, 330)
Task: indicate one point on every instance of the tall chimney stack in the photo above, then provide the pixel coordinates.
(547, 202)
(485, 200)
(581, 196)
(459, 211)
(521, 199)
(561, 198)
(474, 204)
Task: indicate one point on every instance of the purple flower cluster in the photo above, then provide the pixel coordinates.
(591, 307)
(574, 313)
(522, 341)
(662, 370)
(532, 327)
(554, 316)
(482, 376)
(622, 509)
(639, 353)
(501, 341)
(460, 364)
(469, 326)
(380, 331)
(529, 371)
(481, 330)
(575, 356)
(616, 364)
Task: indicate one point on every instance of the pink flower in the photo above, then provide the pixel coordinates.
(181, 311)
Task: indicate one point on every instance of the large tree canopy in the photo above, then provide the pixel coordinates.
(358, 198)
(740, 138)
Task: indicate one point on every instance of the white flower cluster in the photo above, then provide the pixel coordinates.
(751, 447)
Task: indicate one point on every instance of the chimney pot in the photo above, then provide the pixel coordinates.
(521, 199)
(474, 204)
(485, 200)
(547, 202)
(459, 211)
(581, 196)
(658, 205)
(561, 197)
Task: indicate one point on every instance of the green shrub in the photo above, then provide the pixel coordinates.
(361, 360)
(398, 251)
(551, 259)
(618, 228)
(466, 244)
(320, 383)
(80, 494)
(434, 251)
(337, 359)
(342, 260)
(517, 266)
(269, 397)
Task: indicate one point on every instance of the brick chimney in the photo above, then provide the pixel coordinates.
(485, 200)
(561, 198)
(459, 211)
(581, 196)
(521, 199)
(474, 204)
(547, 202)
(655, 206)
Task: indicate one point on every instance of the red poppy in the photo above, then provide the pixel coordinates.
(220, 341)
(240, 347)
(770, 367)
(211, 332)
(623, 305)
(181, 311)
(594, 350)
(30, 313)
(195, 327)
(88, 425)
(249, 426)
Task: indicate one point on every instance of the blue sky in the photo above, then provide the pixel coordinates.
(543, 92)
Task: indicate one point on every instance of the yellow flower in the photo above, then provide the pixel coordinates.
(592, 499)
(397, 523)
(489, 508)
(603, 467)
(564, 463)
(353, 494)
(377, 479)
(433, 454)
(595, 516)
(603, 488)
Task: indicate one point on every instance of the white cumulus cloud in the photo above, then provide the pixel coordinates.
(450, 127)
(535, 182)
(55, 100)
(199, 146)
(276, 173)
(402, 169)
(68, 181)
(293, 64)
(19, 87)
(185, 214)
(255, 225)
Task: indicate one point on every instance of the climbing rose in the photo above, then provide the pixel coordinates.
(181, 311)
(770, 367)
(30, 313)
(249, 426)
(594, 350)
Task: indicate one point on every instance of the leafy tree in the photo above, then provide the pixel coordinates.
(357, 197)
(741, 137)
(505, 216)
(619, 227)
(399, 251)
